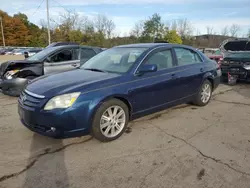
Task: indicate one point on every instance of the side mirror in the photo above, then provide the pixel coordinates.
(26, 54)
(147, 68)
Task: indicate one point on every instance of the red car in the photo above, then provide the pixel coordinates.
(214, 54)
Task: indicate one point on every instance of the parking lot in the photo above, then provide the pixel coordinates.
(186, 146)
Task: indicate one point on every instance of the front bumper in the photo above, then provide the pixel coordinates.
(56, 124)
(13, 87)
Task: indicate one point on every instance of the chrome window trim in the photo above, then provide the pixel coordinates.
(34, 95)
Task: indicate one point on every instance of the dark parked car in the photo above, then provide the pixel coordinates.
(236, 60)
(14, 75)
(31, 52)
(117, 85)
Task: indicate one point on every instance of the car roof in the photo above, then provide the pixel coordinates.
(153, 45)
(70, 46)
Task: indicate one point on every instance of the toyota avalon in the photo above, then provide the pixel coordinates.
(116, 86)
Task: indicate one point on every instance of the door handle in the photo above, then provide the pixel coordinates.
(174, 76)
(201, 70)
(74, 65)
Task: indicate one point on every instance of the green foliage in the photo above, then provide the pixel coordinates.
(172, 37)
(152, 28)
(75, 36)
(19, 31)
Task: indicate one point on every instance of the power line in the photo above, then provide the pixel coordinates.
(38, 7)
(62, 6)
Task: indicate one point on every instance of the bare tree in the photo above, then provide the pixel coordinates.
(225, 31)
(100, 23)
(110, 27)
(234, 29)
(184, 27)
(69, 20)
(174, 25)
(210, 30)
(104, 25)
(137, 29)
(198, 32)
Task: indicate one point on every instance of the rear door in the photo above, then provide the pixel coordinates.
(191, 70)
(63, 60)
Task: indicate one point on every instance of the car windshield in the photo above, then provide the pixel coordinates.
(239, 55)
(115, 60)
(40, 55)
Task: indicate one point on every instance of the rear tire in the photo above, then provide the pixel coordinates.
(204, 95)
(110, 120)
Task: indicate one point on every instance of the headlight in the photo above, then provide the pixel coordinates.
(9, 74)
(62, 101)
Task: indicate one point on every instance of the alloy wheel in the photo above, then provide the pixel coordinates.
(112, 121)
(205, 93)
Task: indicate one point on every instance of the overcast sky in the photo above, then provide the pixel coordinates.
(202, 13)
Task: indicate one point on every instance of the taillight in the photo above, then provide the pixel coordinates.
(220, 62)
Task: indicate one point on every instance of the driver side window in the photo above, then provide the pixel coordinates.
(163, 59)
(65, 55)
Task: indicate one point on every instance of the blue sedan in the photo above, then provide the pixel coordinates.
(116, 86)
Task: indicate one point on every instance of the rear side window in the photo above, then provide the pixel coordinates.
(186, 56)
(86, 54)
(76, 54)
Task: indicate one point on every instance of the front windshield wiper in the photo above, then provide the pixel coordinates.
(94, 69)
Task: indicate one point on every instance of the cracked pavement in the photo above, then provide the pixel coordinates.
(186, 146)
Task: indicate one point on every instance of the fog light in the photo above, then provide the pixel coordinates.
(53, 129)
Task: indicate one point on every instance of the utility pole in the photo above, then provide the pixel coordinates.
(1, 20)
(48, 21)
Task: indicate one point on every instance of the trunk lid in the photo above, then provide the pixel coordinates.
(230, 47)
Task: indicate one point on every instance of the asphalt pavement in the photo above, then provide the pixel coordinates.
(183, 147)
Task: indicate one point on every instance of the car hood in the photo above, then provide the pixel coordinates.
(231, 46)
(15, 63)
(72, 81)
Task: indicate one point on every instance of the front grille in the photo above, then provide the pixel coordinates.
(29, 101)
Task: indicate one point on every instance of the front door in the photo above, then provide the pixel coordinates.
(64, 60)
(155, 89)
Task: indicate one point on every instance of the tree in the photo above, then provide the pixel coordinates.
(104, 25)
(248, 35)
(75, 36)
(153, 28)
(110, 27)
(16, 33)
(234, 29)
(225, 31)
(172, 37)
(210, 30)
(184, 27)
(137, 29)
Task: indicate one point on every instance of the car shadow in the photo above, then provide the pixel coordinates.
(46, 168)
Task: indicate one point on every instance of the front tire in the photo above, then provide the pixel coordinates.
(204, 95)
(110, 120)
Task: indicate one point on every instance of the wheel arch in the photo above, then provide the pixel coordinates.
(209, 76)
(120, 97)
